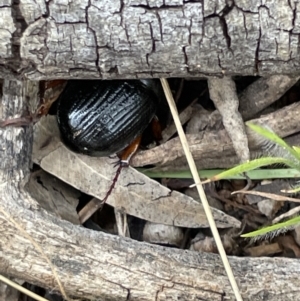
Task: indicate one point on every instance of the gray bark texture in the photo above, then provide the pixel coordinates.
(148, 38)
(129, 39)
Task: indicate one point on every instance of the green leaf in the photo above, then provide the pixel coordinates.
(297, 149)
(274, 229)
(253, 164)
(258, 174)
(275, 138)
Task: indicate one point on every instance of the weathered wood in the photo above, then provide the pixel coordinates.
(212, 144)
(129, 39)
(96, 265)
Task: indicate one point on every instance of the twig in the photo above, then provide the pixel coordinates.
(22, 289)
(272, 196)
(222, 92)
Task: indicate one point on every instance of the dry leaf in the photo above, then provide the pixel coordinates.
(263, 250)
(54, 196)
(288, 243)
(134, 193)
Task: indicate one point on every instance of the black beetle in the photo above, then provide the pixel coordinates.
(100, 118)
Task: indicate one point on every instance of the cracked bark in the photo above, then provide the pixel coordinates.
(129, 39)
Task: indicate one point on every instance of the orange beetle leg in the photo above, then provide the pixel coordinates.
(126, 155)
(156, 130)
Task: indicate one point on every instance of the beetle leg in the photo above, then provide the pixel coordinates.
(156, 129)
(126, 155)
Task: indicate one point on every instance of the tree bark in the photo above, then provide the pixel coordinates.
(132, 39)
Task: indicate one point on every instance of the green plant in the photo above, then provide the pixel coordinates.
(289, 156)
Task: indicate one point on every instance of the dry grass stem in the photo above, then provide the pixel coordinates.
(200, 189)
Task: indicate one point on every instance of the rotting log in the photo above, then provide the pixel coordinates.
(128, 39)
(92, 264)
